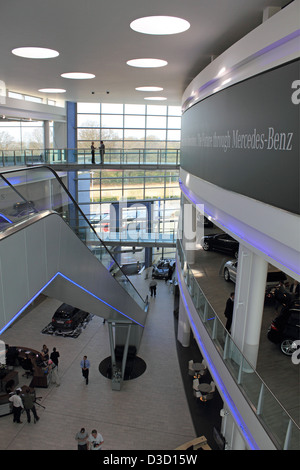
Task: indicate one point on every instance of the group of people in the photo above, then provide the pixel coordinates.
(86, 441)
(101, 149)
(23, 401)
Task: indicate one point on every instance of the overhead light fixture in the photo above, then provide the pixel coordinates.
(78, 75)
(160, 25)
(149, 88)
(155, 98)
(35, 52)
(52, 90)
(147, 63)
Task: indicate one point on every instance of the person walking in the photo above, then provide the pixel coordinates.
(81, 438)
(28, 401)
(152, 286)
(93, 152)
(229, 311)
(18, 406)
(102, 151)
(85, 367)
(95, 440)
(54, 356)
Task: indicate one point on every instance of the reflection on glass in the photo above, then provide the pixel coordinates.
(38, 189)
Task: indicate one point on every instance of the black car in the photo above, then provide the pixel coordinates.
(285, 329)
(67, 318)
(161, 269)
(220, 242)
(24, 208)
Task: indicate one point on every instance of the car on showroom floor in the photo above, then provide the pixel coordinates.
(273, 277)
(161, 269)
(220, 242)
(67, 318)
(275, 289)
(285, 328)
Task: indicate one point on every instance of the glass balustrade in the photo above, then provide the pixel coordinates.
(83, 156)
(279, 424)
(26, 192)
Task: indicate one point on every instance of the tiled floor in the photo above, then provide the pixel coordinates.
(150, 412)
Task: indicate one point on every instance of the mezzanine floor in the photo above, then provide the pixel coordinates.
(276, 370)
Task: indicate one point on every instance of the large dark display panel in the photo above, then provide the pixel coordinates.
(246, 138)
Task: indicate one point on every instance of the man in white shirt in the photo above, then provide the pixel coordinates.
(17, 406)
(95, 440)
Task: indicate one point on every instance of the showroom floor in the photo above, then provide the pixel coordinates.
(150, 412)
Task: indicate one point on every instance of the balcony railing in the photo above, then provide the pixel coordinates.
(118, 157)
(281, 427)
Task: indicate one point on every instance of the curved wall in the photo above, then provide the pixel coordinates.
(246, 139)
(240, 127)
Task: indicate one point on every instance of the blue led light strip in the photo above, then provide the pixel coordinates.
(5, 218)
(75, 284)
(229, 402)
(192, 197)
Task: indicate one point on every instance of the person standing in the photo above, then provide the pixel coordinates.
(18, 406)
(28, 401)
(152, 286)
(81, 438)
(54, 356)
(229, 311)
(45, 353)
(95, 440)
(54, 373)
(102, 151)
(93, 152)
(85, 367)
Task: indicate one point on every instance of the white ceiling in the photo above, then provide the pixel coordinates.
(94, 36)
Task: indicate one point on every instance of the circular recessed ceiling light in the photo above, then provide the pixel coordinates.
(160, 25)
(52, 90)
(147, 63)
(149, 88)
(78, 75)
(155, 98)
(35, 52)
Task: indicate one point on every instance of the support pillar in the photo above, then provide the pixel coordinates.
(189, 230)
(249, 303)
(184, 329)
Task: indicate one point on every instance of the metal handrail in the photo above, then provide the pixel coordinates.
(264, 387)
(115, 156)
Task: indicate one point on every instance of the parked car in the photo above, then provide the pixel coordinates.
(24, 208)
(161, 269)
(273, 277)
(68, 318)
(285, 328)
(220, 242)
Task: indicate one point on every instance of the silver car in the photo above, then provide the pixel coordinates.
(230, 270)
(273, 277)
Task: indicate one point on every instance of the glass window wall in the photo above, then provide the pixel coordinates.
(129, 126)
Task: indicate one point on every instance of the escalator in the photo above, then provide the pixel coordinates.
(48, 246)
